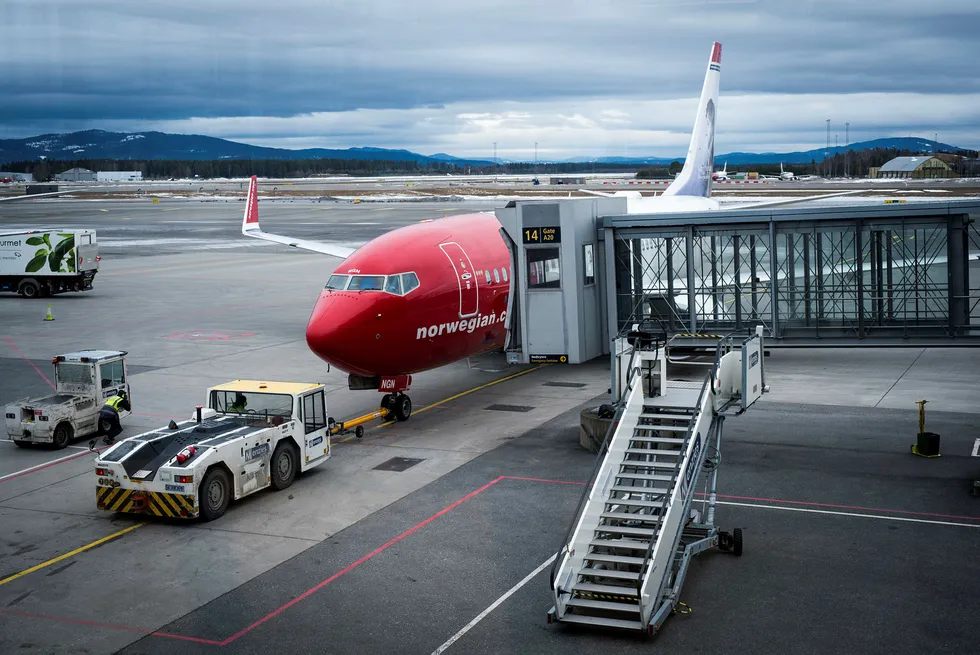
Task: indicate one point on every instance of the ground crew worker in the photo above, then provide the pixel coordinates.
(239, 404)
(110, 414)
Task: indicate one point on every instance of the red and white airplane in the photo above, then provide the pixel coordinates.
(434, 293)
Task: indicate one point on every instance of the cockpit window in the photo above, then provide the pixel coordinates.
(337, 282)
(394, 285)
(366, 283)
(410, 281)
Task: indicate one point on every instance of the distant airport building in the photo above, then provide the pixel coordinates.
(917, 168)
(76, 175)
(119, 176)
(16, 177)
(567, 180)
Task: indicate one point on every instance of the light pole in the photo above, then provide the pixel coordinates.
(847, 151)
(826, 149)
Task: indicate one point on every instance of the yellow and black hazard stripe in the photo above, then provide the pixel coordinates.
(699, 336)
(594, 596)
(138, 501)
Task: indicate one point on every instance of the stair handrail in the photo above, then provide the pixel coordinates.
(709, 384)
(598, 463)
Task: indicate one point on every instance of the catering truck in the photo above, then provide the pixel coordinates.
(251, 435)
(39, 263)
(83, 382)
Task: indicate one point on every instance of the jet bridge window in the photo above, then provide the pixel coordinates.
(337, 282)
(314, 412)
(112, 374)
(543, 268)
(589, 270)
(366, 283)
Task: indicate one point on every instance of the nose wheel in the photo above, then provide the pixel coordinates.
(397, 404)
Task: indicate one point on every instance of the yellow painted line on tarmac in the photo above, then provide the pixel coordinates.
(98, 542)
(468, 392)
(103, 210)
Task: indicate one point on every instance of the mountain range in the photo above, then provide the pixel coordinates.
(99, 144)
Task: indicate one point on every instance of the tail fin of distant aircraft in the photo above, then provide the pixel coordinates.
(695, 177)
(251, 228)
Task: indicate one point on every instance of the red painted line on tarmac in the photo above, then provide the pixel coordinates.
(109, 626)
(41, 467)
(855, 507)
(351, 567)
(514, 477)
(306, 594)
(24, 357)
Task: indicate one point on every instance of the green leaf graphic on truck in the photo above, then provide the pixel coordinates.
(60, 258)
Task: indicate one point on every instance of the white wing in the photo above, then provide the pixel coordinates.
(250, 228)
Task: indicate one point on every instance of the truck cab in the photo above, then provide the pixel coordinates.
(248, 436)
(84, 380)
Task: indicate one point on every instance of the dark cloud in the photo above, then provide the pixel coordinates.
(70, 64)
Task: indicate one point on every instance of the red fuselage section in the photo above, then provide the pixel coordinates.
(416, 298)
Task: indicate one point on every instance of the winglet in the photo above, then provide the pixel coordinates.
(251, 219)
(695, 178)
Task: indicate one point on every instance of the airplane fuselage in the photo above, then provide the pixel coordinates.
(416, 298)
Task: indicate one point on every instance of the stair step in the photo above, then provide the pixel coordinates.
(662, 428)
(677, 440)
(640, 490)
(642, 476)
(602, 621)
(624, 516)
(592, 588)
(636, 503)
(648, 464)
(659, 451)
(609, 606)
(666, 417)
(614, 559)
(624, 530)
(608, 573)
(626, 544)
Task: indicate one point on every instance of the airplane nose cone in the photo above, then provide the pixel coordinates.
(334, 332)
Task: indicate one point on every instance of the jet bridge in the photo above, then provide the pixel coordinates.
(870, 274)
(625, 557)
(889, 273)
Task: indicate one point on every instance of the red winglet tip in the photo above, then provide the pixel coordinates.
(716, 53)
(253, 202)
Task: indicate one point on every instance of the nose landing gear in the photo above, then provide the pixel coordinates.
(398, 405)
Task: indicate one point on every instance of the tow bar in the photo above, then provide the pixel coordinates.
(357, 424)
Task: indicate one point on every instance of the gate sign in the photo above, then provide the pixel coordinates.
(547, 234)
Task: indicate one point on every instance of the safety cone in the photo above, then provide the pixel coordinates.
(49, 316)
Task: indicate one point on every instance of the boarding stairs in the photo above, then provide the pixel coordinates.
(626, 553)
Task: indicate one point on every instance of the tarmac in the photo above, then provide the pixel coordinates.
(852, 543)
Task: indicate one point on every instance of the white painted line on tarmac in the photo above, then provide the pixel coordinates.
(482, 615)
(854, 514)
(976, 448)
(11, 442)
(44, 465)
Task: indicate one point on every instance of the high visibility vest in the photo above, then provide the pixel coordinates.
(114, 402)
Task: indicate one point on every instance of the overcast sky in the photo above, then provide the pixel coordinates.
(592, 77)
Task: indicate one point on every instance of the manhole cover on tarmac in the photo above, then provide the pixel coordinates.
(510, 408)
(570, 385)
(398, 464)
